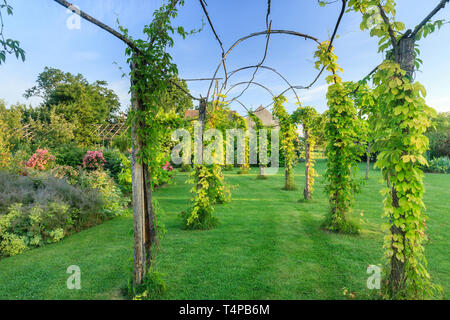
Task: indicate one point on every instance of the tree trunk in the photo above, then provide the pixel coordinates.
(261, 171)
(307, 190)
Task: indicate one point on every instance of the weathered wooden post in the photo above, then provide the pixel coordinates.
(307, 190)
(143, 213)
(201, 127)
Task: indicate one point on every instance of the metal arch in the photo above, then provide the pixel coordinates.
(267, 68)
(249, 82)
(288, 32)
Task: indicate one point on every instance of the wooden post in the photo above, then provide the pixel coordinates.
(143, 213)
(307, 191)
(201, 124)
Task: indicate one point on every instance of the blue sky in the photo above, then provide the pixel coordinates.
(41, 26)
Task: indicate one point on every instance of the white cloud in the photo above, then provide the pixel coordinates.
(313, 94)
(440, 104)
(87, 55)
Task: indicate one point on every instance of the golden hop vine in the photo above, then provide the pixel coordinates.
(310, 120)
(403, 121)
(343, 152)
(288, 135)
(343, 148)
(208, 189)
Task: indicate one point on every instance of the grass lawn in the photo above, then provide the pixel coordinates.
(268, 246)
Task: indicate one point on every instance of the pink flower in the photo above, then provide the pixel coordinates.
(94, 160)
(41, 160)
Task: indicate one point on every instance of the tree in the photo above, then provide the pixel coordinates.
(83, 104)
(439, 136)
(11, 134)
(57, 132)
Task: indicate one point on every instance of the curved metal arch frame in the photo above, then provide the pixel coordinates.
(249, 82)
(265, 32)
(290, 86)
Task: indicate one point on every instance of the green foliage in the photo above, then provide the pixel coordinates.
(124, 177)
(69, 155)
(56, 132)
(439, 136)
(22, 228)
(122, 142)
(327, 59)
(11, 245)
(113, 162)
(311, 122)
(152, 288)
(185, 168)
(241, 123)
(403, 121)
(152, 70)
(252, 229)
(208, 189)
(175, 99)
(8, 46)
(439, 165)
(288, 135)
(429, 28)
(84, 105)
(114, 201)
(40, 209)
(11, 134)
(343, 153)
(378, 29)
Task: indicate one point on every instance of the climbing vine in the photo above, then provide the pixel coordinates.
(261, 144)
(208, 189)
(288, 135)
(208, 183)
(343, 149)
(241, 123)
(403, 121)
(310, 120)
(404, 118)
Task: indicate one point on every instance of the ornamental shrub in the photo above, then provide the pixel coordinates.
(41, 160)
(439, 165)
(94, 160)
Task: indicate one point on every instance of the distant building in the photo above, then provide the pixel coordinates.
(265, 116)
(191, 114)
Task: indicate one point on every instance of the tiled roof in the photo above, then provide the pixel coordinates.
(191, 114)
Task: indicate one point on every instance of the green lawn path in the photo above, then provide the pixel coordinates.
(268, 246)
